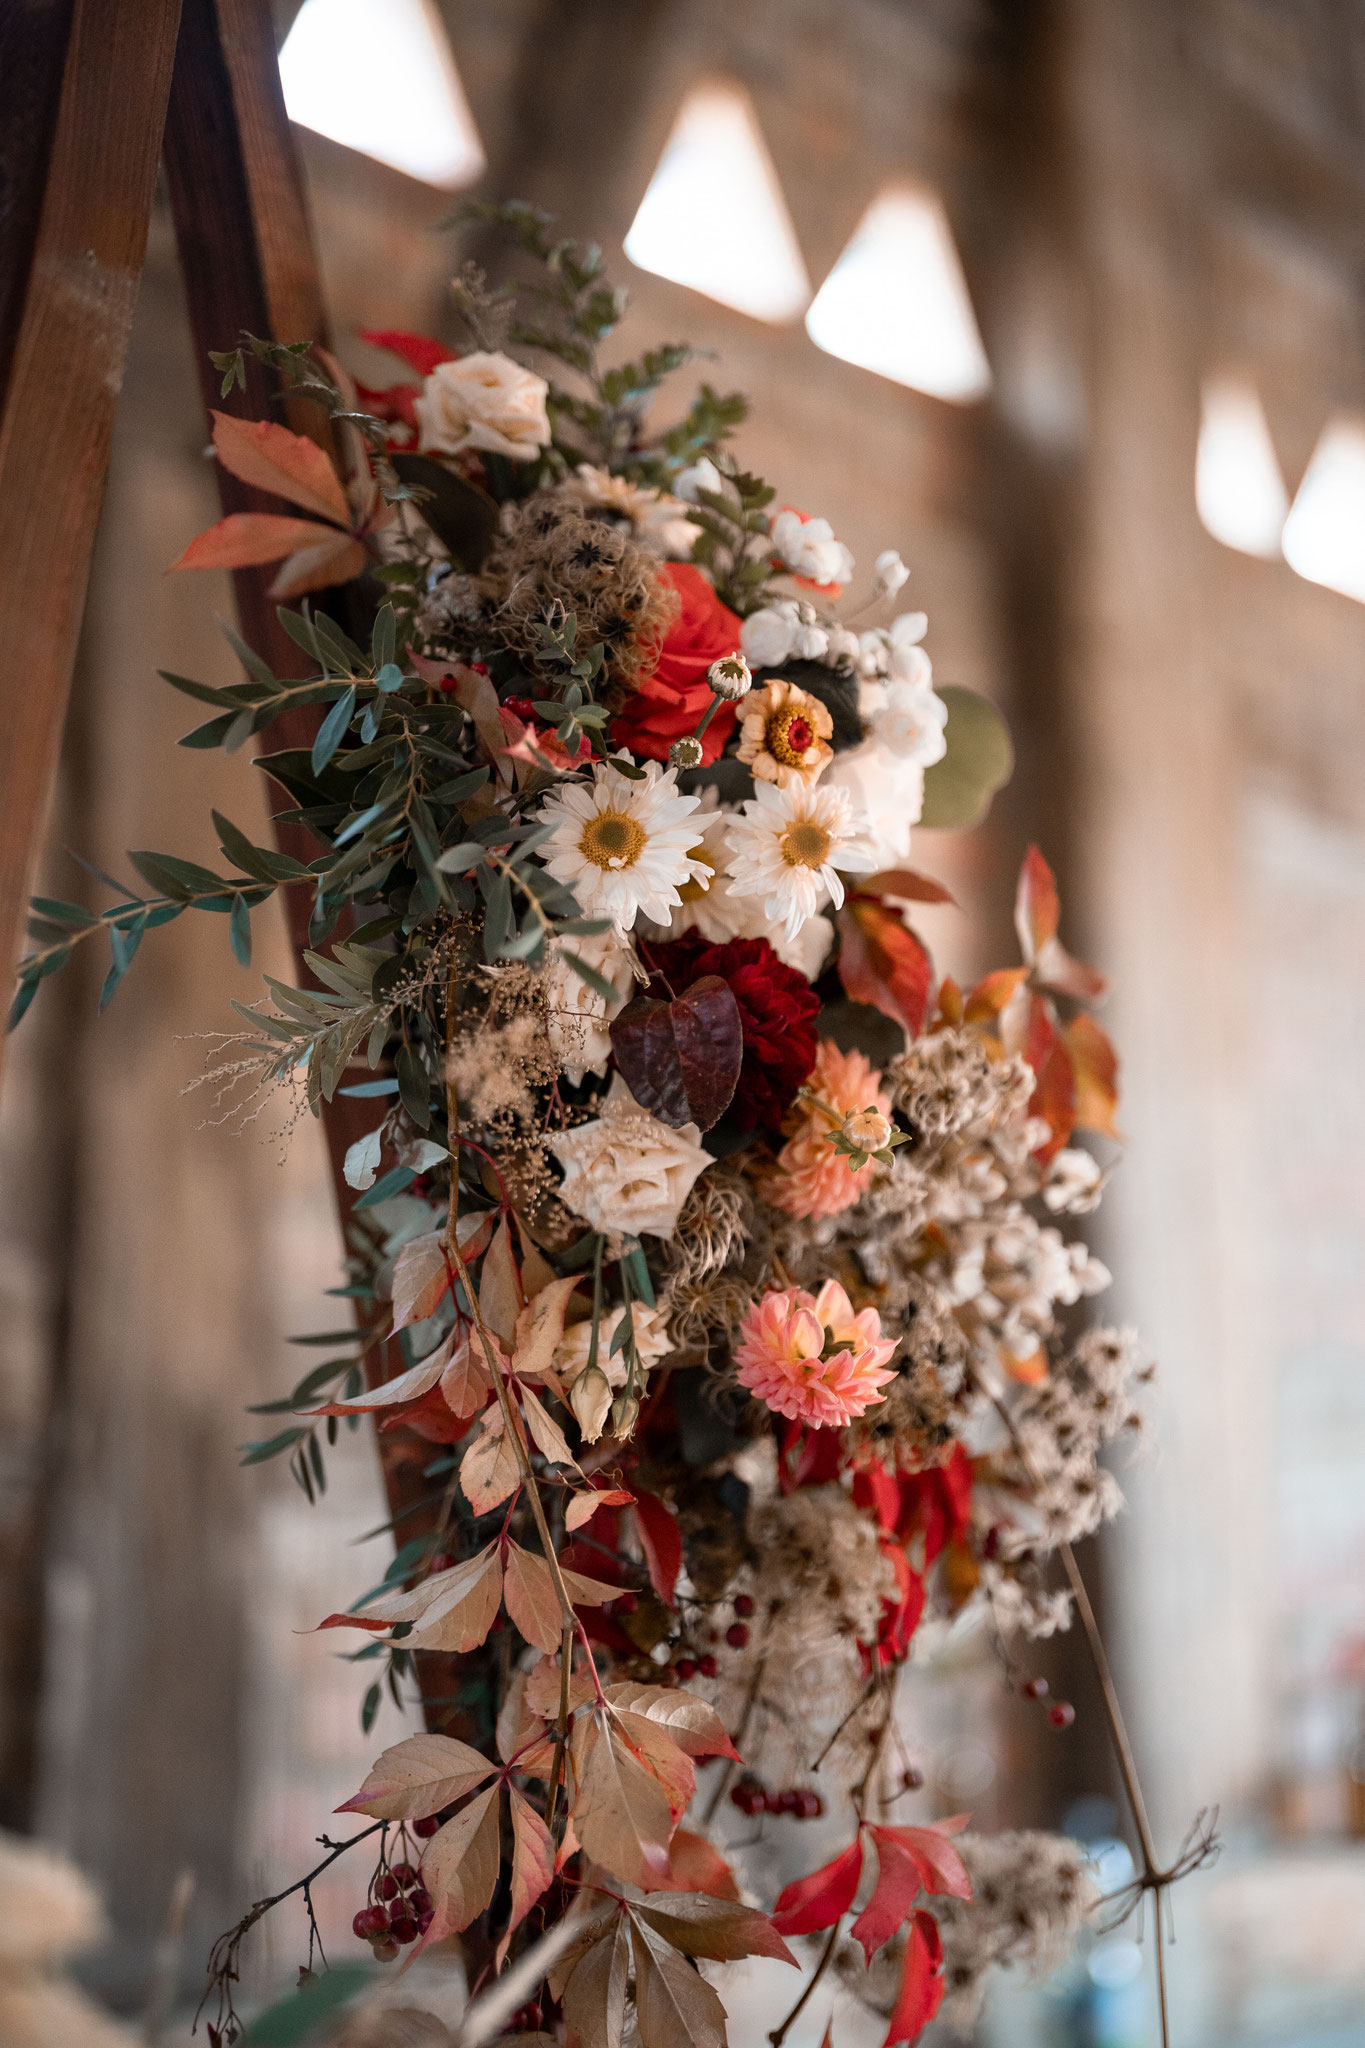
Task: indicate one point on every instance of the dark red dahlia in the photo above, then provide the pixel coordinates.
(777, 1011)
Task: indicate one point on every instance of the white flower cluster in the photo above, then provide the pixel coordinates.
(1060, 1429)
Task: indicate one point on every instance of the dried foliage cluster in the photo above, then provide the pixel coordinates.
(711, 1259)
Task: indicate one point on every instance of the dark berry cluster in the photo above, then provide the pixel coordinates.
(1061, 1713)
(752, 1797)
(399, 1911)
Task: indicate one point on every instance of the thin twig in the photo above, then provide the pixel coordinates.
(779, 2034)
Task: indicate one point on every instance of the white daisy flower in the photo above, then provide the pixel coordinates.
(623, 847)
(720, 915)
(787, 846)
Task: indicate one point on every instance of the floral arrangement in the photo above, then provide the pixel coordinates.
(710, 1259)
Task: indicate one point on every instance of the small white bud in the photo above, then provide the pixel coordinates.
(730, 678)
(890, 572)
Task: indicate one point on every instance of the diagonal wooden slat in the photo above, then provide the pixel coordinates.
(69, 344)
(246, 253)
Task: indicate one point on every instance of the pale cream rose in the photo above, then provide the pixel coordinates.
(483, 401)
(626, 1171)
(651, 1344)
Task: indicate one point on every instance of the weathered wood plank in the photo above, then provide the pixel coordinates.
(64, 383)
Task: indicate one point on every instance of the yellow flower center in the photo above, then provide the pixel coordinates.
(805, 844)
(612, 839)
(692, 892)
(789, 737)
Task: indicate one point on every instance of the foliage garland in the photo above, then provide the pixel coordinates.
(726, 1382)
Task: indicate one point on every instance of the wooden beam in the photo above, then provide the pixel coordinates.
(246, 252)
(65, 373)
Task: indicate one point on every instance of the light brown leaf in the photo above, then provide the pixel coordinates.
(409, 1386)
(1095, 1065)
(421, 1277)
(584, 1506)
(533, 1863)
(466, 1381)
(674, 2006)
(489, 1470)
(542, 1689)
(662, 1757)
(693, 1723)
(244, 539)
(563, 1966)
(517, 1722)
(418, 1777)
(621, 1811)
(460, 1868)
(529, 1595)
(499, 1294)
(696, 1865)
(289, 465)
(720, 1930)
(334, 561)
(540, 1326)
(546, 1433)
(451, 1610)
(595, 1995)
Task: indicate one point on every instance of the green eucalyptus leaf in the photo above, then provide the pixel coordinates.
(979, 761)
(333, 729)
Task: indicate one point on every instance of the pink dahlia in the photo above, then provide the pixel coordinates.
(810, 1177)
(808, 1357)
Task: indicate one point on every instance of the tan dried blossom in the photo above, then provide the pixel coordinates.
(946, 1086)
(451, 620)
(911, 1428)
(556, 559)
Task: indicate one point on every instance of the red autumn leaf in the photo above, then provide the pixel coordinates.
(696, 1865)
(681, 1060)
(937, 1865)
(289, 465)
(882, 963)
(1095, 1073)
(901, 1616)
(1036, 906)
(874, 1487)
(921, 1985)
(993, 994)
(823, 1897)
(338, 560)
(661, 1543)
(418, 351)
(905, 883)
(893, 1900)
(244, 539)
(1054, 1098)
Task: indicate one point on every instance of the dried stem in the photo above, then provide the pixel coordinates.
(779, 2034)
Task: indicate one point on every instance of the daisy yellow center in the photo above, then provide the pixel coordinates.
(612, 839)
(692, 892)
(805, 844)
(789, 737)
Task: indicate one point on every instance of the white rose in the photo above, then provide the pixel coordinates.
(890, 572)
(808, 548)
(910, 723)
(627, 1171)
(888, 791)
(484, 401)
(768, 636)
(576, 1016)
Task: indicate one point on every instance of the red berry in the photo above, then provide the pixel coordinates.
(443, 1561)
(912, 1779)
(403, 1929)
(405, 1875)
(626, 1603)
(744, 1605)
(369, 1920)
(708, 1666)
(686, 1667)
(425, 1918)
(812, 1806)
(419, 1900)
(1034, 1689)
(1061, 1713)
(737, 1635)
(424, 1829)
(387, 1887)
(384, 1951)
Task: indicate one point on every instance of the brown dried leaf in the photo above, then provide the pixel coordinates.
(489, 1470)
(517, 1722)
(660, 1755)
(418, 1777)
(530, 1598)
(533, 1863)
(595, 1997)
(460, 1868)
(674, 2006)
(621, 1811)
(546, 1433)
(718, 1929)
(693, 1723)
(542, 1689)
(499, 1293)
(451, 1610)
(584, 1506)
(540, 1326)
(421, 1276)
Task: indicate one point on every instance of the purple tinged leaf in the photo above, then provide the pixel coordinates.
(681, 1059)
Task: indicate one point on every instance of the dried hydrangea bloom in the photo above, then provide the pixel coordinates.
(1061, 1428)
(810, 1358)
(947, 1086)
(811, 1179)
(784, 734)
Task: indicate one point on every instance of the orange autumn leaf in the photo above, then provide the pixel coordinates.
(246, 539)
(289, 465)
(1037, 910)
(621, 1812)
(882, 963)
(338, 560)
(533, 1863)
(1095, 1068)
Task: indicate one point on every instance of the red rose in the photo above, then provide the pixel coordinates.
(668, 704)
(777, 1012)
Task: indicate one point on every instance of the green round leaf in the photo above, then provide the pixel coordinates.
(980, 759)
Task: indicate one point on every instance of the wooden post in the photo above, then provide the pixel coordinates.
(69, 324)
(246, 252)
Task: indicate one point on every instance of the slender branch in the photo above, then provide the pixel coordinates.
(779, 2034)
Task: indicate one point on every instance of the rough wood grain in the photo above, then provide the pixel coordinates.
(64, 383)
